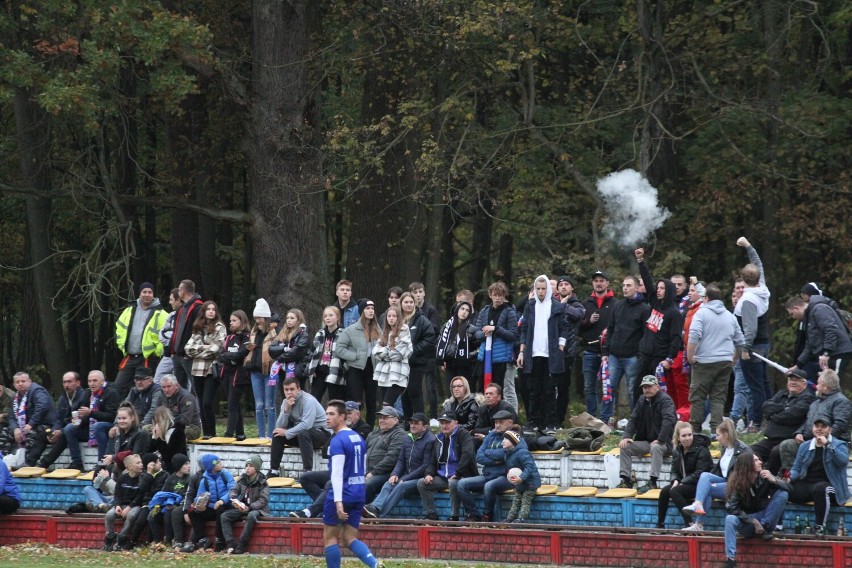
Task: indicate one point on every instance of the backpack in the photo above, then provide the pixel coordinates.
(584, 439)
(846, 319)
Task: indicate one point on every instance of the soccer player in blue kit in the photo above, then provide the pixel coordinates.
(341, 515)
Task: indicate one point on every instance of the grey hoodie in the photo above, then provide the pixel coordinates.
(715, 332)
(753, 304)
(140, 320)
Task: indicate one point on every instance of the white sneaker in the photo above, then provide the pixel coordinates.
(741, 426)
(434, 423)
(694, 527)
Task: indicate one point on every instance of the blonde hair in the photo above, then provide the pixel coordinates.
(677, 430)
(288, 333)
(164, 419)
(727, 427)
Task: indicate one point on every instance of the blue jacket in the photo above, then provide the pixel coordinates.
(8, 487)
(505, 333)
(165, 499)
(40, 409)
(492, 456)
(219, 486)
(415, 456)
(521, 458)
(835, 457)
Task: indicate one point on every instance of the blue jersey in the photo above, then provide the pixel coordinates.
(347, 458)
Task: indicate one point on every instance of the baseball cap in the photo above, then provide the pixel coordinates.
(600, 273)
(649, 380)
(352, 405)
(418, 417)
(388, 411)
(447, 416)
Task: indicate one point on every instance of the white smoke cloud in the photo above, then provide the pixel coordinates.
(631, 203)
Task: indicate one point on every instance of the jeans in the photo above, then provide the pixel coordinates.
(264, 404)
(95, 497)
(491, 488)
(510, 394)
(710, 485)
(768, 517)
(427, 493)
(76, 434)
(591, 366)
(742, 394)
(390, 495)
(618, 367)
(129, 521)
(754, 372)
(231, 516)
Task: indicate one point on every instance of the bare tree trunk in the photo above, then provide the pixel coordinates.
(286, 189)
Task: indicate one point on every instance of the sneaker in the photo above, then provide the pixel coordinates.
(624, 485)
(187, 548)
(201, 501)
(102, 507)
(520, 521)
(240, 438)
(239, 549)
(647, 487)
(551, 430)
(694, 509)
(206, 437)
(434, 424)
(454, 518)
(298, 514)
(741, 426)
(79, 466)
(109, 542)
(371, 511)
(77, 508)
(203, 544)
(730, 563)
(380, 564)
(694, 527)
(431, 516)
(509, 519)
(176, 546)
(220, 546)
(819, 531)
(272, 473)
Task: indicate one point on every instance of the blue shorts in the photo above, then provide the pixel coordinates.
(330, 518)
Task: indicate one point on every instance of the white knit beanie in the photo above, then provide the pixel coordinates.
(261, 309)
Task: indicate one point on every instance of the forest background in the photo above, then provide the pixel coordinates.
(270, 148)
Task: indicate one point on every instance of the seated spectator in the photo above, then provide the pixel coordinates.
(492, 481)
(10, 497)
(819, 473)
(453, 459)
(526, 484)
(183, 406)
(211, 499)
(410, 467)
(690, 458)
(96, 416)
(168, 437)
(165, 520)
(145, 396)
(755, 501)
(69, 402)
(250, 500)
(494, 403)
(33, 413)
(129, 492)
(783, 414)
(131, 437)
(711, 485)
(153, 478)
(463, 403)
(301, 423)
(383, 447)
(650, 429)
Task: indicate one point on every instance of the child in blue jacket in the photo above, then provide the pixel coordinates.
(526, 483)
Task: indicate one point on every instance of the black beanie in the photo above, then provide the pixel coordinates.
(177, 462)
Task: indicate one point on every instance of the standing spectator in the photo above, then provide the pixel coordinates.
(574, 311)
(690, 458)
(499, 322)
(418, 291)
(250, 501)
(714, 337)
(755, 501)
(383, 447)
(342, 511)
(742, 394)
(137, 336)
(129, 492)
(453, 459)
(662, 338)
(784, 413)
(394, 295)
(390, 356)
(166, 365)
(69, 401)
(543, 336)
(212, 499)
(422, 360)
(96, 416)
(10, 497)
(355, 347)
(430, 312)
(205, 345)
(620, 351)
(183, 406)
(414, 458)
(526, 484)
(463, 404)
(457, 346)
(811, 366)
(681, 369)
(649, 430)
(826, 337)
(598, 315)
(348, 309)
(185, 317)
(291, 349)
(32, 414)
(258, 363)
(235, 377)
(301, 423)
(752, 314)
(325, 368)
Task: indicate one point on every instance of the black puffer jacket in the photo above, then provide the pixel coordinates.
(784, 413)
(233, 357)
(466, 411)
(688, 466)
(423, 340)
(825, 332)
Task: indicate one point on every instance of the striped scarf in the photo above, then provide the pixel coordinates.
(93, 407)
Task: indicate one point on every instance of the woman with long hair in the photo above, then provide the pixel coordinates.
(463, 403)
(235, 377)
(130, 436)
(290, 349)
(325, 369)
(204, 346)
(391, 355)
(355, 346)
(711, 484)
(422, 360)
(456, 349)
(690, 458)
(258, 362)
(754, 500)
(167, 437)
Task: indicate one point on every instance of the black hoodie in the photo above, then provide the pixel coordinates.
(626, 327)
(662, 338)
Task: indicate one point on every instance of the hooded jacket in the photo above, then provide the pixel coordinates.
(574, 312)
(688, 466)
(185, 316)
(521, 458)
(252, 492)
(155, 318)
(423, 339)
(825, 332)
(415, 456)
(752, 307)
(491, 455)
(556, 326)
(295, 351)
(505, 322)
(715, 332)
(233, 355)
(626, 327)
(218, 484)
(453, 456)
(352, 346)
(452, 346)
(8, 487)
(664, 326)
